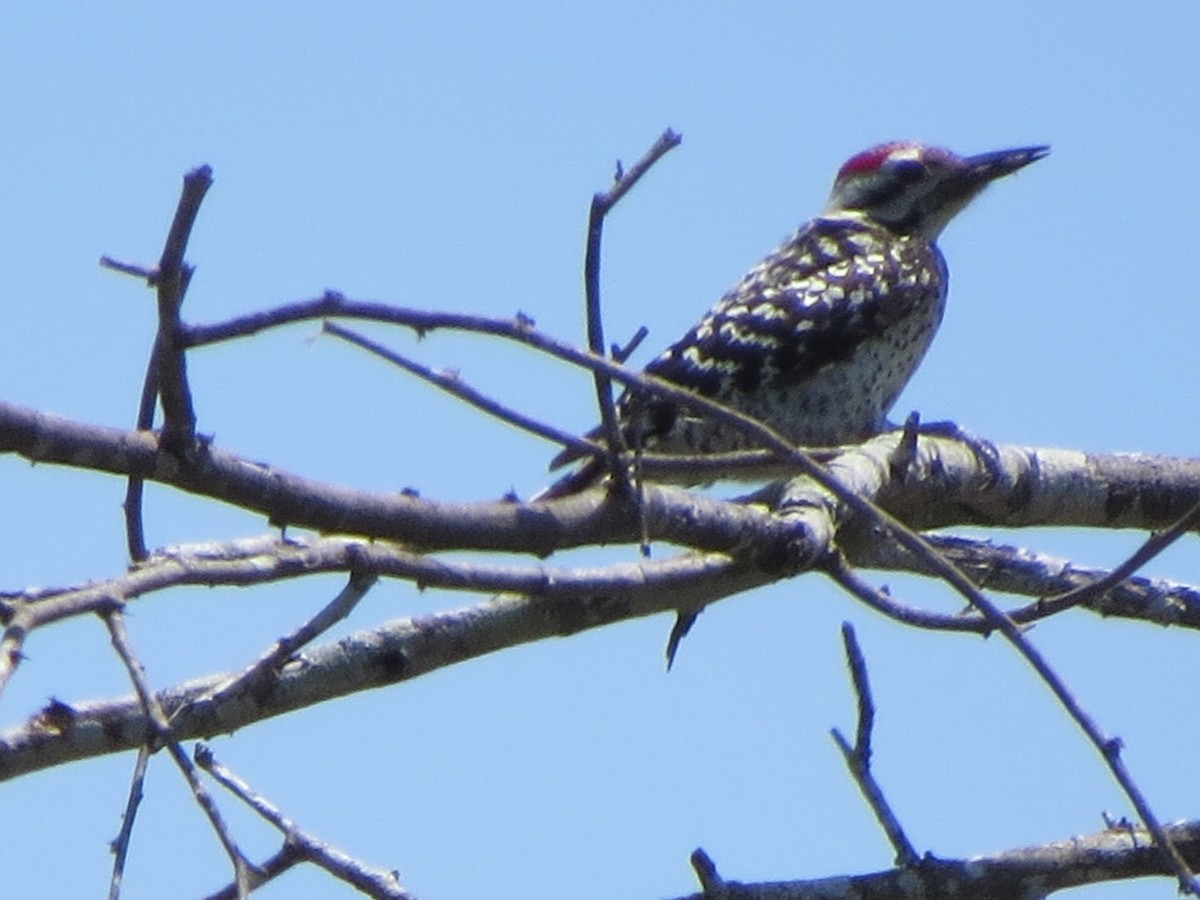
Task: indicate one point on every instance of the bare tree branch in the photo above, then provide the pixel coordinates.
(171, 281)
(858, 757)
(602, 204)
(120, 845)
(453, 384)
(850, 504)
(166, 371)
(1034, 872)
(1017, 570)
(369, 880)
(158, 730)
(285, 498)
(396, 651)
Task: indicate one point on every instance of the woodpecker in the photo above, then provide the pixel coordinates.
(819, 338)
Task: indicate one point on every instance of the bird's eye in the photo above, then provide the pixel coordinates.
(908, 170)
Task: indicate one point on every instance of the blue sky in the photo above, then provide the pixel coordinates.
(443, 156)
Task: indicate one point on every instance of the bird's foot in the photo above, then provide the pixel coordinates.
(984, 451)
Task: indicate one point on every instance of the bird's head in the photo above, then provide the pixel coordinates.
(912, 188)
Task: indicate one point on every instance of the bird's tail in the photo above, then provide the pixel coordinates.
(588, 475)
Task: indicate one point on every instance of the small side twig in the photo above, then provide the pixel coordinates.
(259, 672)
(128, 268)
(858, 757)
(621, 354)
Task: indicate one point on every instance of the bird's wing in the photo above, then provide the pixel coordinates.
(810, 303)
(834, 284)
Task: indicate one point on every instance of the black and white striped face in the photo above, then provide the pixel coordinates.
(912, 188)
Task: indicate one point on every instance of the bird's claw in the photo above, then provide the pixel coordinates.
(985, 452)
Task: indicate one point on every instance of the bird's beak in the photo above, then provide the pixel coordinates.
(987, 167)
(963, 183)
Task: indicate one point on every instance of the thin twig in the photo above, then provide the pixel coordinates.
(684, 468)
(179, 415)
(161, 734)
(283, 860)
(166, 370)
(257, 675)
(849, 580)
(128, 268)
(858, 757)
(661, 466)
(1153, 546)
(453, 384)
(1109, 749)
(135, 531)
(120, 845)
(602, 204)
(371, 881)
(1021, 571)
(627, 178)
(857, 663)
(621, 354)
(268, 559)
